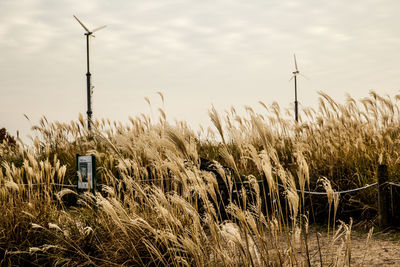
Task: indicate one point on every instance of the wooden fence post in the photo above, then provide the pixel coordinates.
(383, 196)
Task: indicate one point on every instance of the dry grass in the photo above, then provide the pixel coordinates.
(173, 220)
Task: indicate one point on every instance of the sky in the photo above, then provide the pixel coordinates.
(197, 53)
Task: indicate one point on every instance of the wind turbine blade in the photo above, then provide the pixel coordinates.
(295, 62)
(83, 25)
(99, 28)
(304, 76)
(292, 78)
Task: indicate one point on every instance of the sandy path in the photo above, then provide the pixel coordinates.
(381, 250)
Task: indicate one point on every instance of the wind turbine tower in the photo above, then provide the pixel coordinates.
(296, 103)
(89, 88)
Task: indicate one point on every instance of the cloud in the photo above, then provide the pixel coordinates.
(220, 50)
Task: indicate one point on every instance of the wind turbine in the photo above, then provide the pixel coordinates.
(88, 33)
(295, 73)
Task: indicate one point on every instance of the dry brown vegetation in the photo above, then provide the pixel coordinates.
(157, 206)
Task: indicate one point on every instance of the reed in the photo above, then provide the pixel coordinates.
(159, 206)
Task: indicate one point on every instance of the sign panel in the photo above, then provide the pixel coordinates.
(86, 166)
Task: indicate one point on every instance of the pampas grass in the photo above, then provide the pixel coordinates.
(158, 207)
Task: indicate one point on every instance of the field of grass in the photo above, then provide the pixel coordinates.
(173, 197)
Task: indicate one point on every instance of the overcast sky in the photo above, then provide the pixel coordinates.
(197, 53)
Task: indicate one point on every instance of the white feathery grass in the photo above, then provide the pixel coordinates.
(55, 226)
(159, 222)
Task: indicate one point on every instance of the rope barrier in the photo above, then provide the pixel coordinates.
(324, 193)
(335, 192)
(393, 184)
(62, 185)
(244, 182)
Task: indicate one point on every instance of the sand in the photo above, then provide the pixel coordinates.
(383, 249)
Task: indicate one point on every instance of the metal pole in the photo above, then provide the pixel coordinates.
(88, 80)
(295, 100)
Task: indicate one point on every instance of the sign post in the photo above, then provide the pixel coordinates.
(86, 172)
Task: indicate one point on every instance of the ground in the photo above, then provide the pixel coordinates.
(383, 249)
